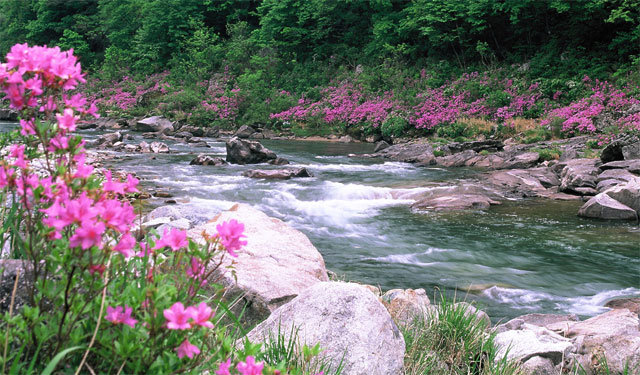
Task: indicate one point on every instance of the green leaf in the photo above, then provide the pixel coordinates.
(54, 362)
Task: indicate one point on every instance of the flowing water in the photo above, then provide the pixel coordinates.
(517, 258)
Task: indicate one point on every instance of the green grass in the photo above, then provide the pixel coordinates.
(452, 341)
(548, 153)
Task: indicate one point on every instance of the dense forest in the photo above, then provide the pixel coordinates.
(227, 62)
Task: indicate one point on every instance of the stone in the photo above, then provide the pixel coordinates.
(203, 159)
(532, 341)
(544, 320)
(381, 145)
(193, 130)
(454, 202)
(456, 160)
(602, 206)
(614, 335)
(156, 124)
(617, 174)
(183, 134)
(154, 223)
(630, 165)
(159, 148)
(278, 161)
(182, 224)
(539, 366)
(109, 139)
(268, 134)
(346, 139)
(471, 310)
(405, 305)
(194, 213)
(8, 115)
(9, 269)
(277, 174)
(578, 173)
(245, 132)
(162, 194)
(211, 132)
(631, 151)
(276, 265)
(632, 304)
(490, 145)
(606, 184)
(627, 193)
(421, 153)
(241, 151)
(349, 324)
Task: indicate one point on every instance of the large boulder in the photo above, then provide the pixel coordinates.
(159, 148)
(194, 213)
(108, 139)
(157, 124)
(579, 176)
(627, 194)
(277, 263)
(420, 153)
(242, 151)
(602, 206)
(277, 174)
(454, 202)
(348, 322)
(624, 148)
(405, 305)
(613, 336)
(527, 341)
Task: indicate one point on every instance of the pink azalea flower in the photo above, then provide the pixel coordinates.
(125, 246)
(201, 315)
(223, 367)
(118, 316)
(67, 121)
(27, 127)
(178, 317)
(186, 349)
(250, 367)
(88, 234)
(230, 233)
(175, 239)
(113, 186)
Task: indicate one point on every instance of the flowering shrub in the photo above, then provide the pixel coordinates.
(107, 298)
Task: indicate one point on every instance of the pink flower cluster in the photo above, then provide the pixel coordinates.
(126, 93)
(222, 97)
(248, 367)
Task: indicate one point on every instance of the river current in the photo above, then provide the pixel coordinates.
(527, 256)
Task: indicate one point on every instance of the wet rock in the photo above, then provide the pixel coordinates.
(157, 124)
(245, 132)
(479, 315)
(241, 151)
(277, 174)
(183, 134)
(632, 166)
(477, 146)
(203, 159)
(278, 161)
(381, 146)
(346, 139)
(348, 322)
(455, 202)
(8, 115)
(602, 206)
(193, 130)
(108, 140)
(156, 222)
(144, 147)
(211, 132)
(162, 194)
(521, 183)
(195, 214)
(182, 224)
(545, 320)
(579, 176)
(159, 148)
(276, 265)
(523, 160)
(405, 305)
(421, 153)
(268, 134)
(632, 304)
(456, 160)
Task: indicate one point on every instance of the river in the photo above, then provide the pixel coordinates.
(527, 256)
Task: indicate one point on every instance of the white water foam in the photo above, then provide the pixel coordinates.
(410, 259)
(531, 300)
(387, 167)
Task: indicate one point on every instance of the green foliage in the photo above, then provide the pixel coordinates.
(537, 135)
(455, 130)
(452, 340)
(394, 126)
(548, 153)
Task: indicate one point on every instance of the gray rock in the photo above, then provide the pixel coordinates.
(8, 115)
(277, 174)
(9, 268)
(182, 224)
(532, 341)
(268, 134)
(203, 159)
(155, 223)
(617, 174)
(109, 139)
(631, 151)
(405, 305)
(421, 153)
(602, 206)
(245, 132)
(348, 322)
(241, 151)
(183, 134)
(630, 165)
(578, 174)
(346, 139)
(624, 148)
(211, 132)
(278, 161)
(544, 320)
(632, 304)
(159, 148)
(470, 310)
(144, 147)
(627, 194)
(193, 130)
(477, 146)
(195, 214)
(457, 160)
(606, 184)
(381, 145)
(454, 202)
(156, 124)
(539, 366)
(276, 265)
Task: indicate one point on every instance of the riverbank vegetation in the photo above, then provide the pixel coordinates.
(395, 68)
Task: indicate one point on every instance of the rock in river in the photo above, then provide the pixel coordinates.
(349, 323)
(203, 159)
(242, 151)
(602, 206)
(156, 124)
(277, 174)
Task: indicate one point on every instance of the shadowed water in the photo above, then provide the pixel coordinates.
(519, 257)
